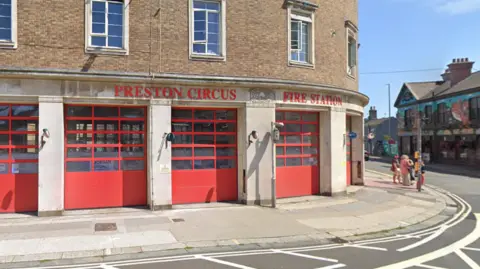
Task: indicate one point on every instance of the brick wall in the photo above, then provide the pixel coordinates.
(52, 36)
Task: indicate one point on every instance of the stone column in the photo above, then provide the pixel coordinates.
(333, 159)
(159, 183)
(358, 155)
(258, 155)
(51, 159)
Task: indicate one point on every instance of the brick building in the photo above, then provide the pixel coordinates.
(109, 103)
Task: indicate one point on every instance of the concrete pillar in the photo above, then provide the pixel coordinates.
(258, 155)
(159, 183)
(51, 158)
(333, 159)
(358, 156)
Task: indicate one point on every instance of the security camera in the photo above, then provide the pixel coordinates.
(278, 124)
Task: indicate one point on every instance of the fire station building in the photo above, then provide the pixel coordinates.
(123, 111)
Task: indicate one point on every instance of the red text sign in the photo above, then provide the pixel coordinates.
(312, 98)
(175, 93)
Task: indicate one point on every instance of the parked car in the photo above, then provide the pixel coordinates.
(367, 156)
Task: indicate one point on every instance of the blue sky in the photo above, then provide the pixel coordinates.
(398, 35)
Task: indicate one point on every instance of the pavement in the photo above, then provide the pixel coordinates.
(378, 209)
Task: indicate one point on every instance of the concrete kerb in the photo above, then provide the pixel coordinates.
(425, 221)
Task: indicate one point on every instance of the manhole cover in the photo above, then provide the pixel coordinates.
(105, 227)
(178, 220)
(338, 240)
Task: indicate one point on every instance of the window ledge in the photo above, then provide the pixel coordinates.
(110, 51)
(301, 65)
(8, 45)
(350, 76)
(207, 57)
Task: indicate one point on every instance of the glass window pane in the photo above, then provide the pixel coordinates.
(25, 139)
(98, 17)
(279, 116)
(106, 152)
(199, 4)
(25, 154)
(79, 125)
(293, 116)
(4, 168)
(79, 138)
(25, 125)
(25, 111)
(98, 28)
(199, 48)
(309, 128)
(115, 31)
(200, 26)
(201, 152)
(79, 152)
(5, 34)
(133, 139)
(310, 117)
(132, 112)
(99, 41)
(199, 36)
(5, 10)
(98, 6)
(226, 140)
(181, 126)
(3, 154)
(214, 17)
(115, 8)
(213, 48)
(293, 139)
(226, 115)
(226, 164)
(4, 125)
(280, 150)
(204, 139)
(294, 150)
(115, 22)
(182, 139)
(83, 166)
(106, 138)
(105, 112)
(4, 139)
(214, 28)
(4, 111)
(132, 152)
(133, 165)
(280, 162)
(116, 42)
(226, 152)
(294, 128)
(182, 114)
(133, 126)
(181, 152)
(24, 168)
(212, 6)
(99, 166)
(6, 22)
(310, 161)
(181, 165)
(310, 150)
(310, 139)
(293, 162)
(203, 114)
(204, 164)
(199, 15)
(204, 127)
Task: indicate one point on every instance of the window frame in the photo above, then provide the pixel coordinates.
(428, 113)
(441, 111)
(308, 16)
(13, 43)
(476, 101)
(222, 31)
(88, 28)
(351, 32)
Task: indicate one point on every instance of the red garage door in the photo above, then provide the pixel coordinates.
(18, 158)
(105, 163)
(349, 151)
(204, 155)
(297, 154)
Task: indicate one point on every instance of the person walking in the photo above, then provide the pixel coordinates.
(411, 167)
(404, 170)
(421, 178)
(396, 170)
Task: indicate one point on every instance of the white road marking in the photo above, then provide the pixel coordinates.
(467, 240)
(467, 259)
(309, 247)
(430, 266)
(106, 266)
(450, 223)
(159, 261)
(334, 266)
(367, 247)
(304, 255)
(231, 264)
(473, 249)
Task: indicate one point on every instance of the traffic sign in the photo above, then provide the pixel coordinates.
(352, 135)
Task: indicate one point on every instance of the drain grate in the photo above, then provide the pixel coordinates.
(338, 240)
(105, 227)
(178, 220)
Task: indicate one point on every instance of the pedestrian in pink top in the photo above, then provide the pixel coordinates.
(404, 170)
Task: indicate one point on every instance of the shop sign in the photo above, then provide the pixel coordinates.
(312, 98)
(176, 93)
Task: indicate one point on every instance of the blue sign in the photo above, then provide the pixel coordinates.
(352, 135)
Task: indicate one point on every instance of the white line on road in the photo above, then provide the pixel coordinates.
(231, 264)
(304, 255)
(106, 266)
(334, 266)
(309, 247)
(367, 247)
(473, 249)
(430, 266)
(467, 259)
(467, 240)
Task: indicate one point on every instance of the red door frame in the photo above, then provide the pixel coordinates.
(120, 186)
(349, 150)
(193, 185)
(18, 191)
(303, 178)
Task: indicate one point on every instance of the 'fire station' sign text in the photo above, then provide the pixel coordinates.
(312, 98)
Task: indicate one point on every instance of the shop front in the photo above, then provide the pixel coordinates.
(158, 144)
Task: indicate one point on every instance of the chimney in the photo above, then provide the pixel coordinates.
(446, 75)
(460, 69)
(372, 113)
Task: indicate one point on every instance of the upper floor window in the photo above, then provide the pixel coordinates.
(301, 38)
(8, 23)
(408, 118)
(428, 114)
(352, 47)
(107, 29)
(207, 29)
(474, 105)
(442, 113)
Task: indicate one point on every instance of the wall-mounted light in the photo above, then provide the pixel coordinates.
(44, 138)
(253, 135)
(333, 33)
(169, 137)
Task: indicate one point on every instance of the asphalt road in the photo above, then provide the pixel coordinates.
(454, 244)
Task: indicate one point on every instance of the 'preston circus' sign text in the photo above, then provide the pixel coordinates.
(312, 98)
(175, 93)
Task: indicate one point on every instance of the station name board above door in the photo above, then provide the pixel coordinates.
(176, 93)
(312, 98)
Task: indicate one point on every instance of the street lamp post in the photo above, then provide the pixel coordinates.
(389, 112)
